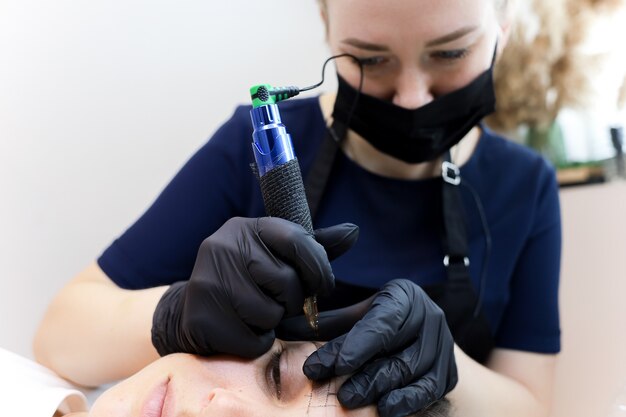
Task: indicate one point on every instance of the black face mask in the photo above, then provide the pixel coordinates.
(421, 134)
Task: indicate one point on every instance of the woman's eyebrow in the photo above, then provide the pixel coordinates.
(374, 47)
(367, 46)
(452, 36)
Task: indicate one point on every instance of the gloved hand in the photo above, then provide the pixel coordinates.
(248, 275)
(331, 323)
(401, 350)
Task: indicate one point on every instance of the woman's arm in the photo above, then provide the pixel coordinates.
(247, 276)
(95, 332)
(514, 383)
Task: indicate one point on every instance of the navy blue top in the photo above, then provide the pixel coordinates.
(400, 223)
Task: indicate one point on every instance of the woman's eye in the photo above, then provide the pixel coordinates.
(450, 56)
(372, 61)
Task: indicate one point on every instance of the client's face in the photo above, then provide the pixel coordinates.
(186, 385)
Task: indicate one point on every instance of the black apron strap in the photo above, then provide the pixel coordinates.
(455, 242)
(457, 298)
(317, 178)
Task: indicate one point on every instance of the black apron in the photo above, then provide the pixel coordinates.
(455, 296)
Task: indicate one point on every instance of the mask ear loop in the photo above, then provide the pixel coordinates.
(484, 223)
(495, 53)
(320, 171)
(358, 93)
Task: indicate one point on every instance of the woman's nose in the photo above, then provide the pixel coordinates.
(412, 90)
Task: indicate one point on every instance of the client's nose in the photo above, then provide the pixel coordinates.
(222, 402)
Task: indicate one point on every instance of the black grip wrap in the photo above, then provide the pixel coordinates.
(283, 194)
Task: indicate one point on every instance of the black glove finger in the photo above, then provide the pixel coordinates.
(255, 308)
(320, 364)
(293, 244)
(245, 303)
(232, 333)
(426, 387)
(241, 341)
(337, 239)
(279, 281)
(391, 323)
(331, 324)
(410, 399)
(386, 374)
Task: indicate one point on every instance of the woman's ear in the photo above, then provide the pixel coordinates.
(506, 25)
(324, 16)
(506, 20)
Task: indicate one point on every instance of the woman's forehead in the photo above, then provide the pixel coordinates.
(378, 20)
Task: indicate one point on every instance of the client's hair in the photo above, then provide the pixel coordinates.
(441, 408)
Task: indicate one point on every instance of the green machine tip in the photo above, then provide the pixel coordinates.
(262, 94)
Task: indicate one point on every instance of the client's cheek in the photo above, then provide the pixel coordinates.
(111, 403)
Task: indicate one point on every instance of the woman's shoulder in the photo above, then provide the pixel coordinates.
(511, 172)
(499, 154)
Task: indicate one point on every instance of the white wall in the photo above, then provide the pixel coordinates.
(101, 102)
(591, 369)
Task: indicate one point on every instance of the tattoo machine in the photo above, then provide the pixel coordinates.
(278, 170)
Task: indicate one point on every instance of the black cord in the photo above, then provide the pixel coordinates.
(284, 93)
(487, 234)
(358, 93)
(357, 60)
(464, 182)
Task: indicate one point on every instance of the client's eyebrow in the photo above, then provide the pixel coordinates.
(321, 391)
(320, 394)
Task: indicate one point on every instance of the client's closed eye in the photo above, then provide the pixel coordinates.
(272, 371)
(284, 378)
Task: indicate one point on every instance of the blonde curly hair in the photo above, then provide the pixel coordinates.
(543, 68)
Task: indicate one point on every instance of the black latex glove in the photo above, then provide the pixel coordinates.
(248, 275)
(331, 324)
(401, 351)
